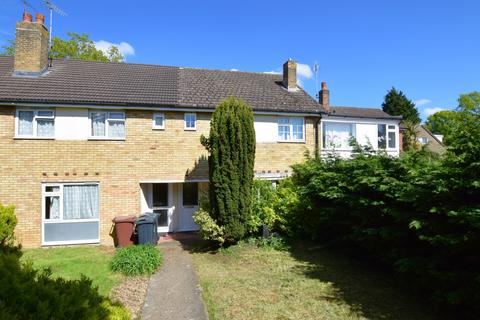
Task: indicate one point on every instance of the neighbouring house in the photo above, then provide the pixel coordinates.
(82, 142)
(425, 138)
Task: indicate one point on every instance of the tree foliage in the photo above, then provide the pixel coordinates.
(442, 122)
(417, 214)
(397, 104)
(231, 147)
(78, 46)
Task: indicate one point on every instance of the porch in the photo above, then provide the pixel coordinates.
(173, 202)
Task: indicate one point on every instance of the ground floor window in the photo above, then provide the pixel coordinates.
(190, 194)
(70, 213)
(337, 135)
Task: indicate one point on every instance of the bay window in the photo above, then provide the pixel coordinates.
(291, 129)
(108, 125)
(70, 213)
(35, 123)
(337, 135)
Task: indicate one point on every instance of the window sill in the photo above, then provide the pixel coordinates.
(190, 129)
(290, 141)
(158, 128)
(105, 139)
(32, 138)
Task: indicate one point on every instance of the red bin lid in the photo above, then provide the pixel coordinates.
(124, 219)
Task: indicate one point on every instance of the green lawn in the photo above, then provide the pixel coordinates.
(71, 262)
(247, 282)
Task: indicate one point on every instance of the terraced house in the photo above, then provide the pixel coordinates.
(82, 142)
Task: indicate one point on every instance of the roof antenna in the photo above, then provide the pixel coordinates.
(26, 5)
(316, 67)
(52, 8)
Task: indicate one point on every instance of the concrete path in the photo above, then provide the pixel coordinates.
(174, 292)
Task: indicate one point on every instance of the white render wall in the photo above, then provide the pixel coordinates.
(72, 124)
(266, 128)
(365, 131)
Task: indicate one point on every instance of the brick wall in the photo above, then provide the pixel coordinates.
(31, 47)
(118, 166)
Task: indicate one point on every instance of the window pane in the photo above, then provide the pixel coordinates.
(45, 128)
(72, 231)
(162, 217)
(391, 127)
(382, 136)
(160, 194)
(391, 140)
(283, 132)
(98, 124)
(337, 135)
(297, 128)
(190, 121)
(52, 207)
(283, 121)
(25, 123)
(52, 188)
(116, 129)
(80, 202)
(116, 115)
(190, 194)
(47, 114)
(159, 121)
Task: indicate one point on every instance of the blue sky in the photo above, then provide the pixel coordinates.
(429, 49)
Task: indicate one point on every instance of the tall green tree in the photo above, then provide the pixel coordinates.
(397, 104)
(443, 122)
(78, 46)
(231, 147)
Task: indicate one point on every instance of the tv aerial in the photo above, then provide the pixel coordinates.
(52, 7)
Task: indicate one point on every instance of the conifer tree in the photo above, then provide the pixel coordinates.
(397, 104)
(231, 145)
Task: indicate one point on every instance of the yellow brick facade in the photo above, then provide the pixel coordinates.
(172, 154)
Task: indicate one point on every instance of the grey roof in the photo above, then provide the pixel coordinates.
(109, 83)
(353, 112)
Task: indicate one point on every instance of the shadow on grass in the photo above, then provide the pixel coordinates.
(369, 290)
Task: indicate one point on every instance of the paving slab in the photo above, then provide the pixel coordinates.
(174, 292)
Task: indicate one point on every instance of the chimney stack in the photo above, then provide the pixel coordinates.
(324, 97)
(31, 46)
(290, 75)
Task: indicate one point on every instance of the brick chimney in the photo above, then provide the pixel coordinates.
(31, 46)
(324, 97)
(290, 75)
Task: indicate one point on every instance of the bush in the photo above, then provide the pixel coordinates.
(8, 221)
(416, 214)
(231, 146)
(136, 260)
(26, 293)
(209, 229)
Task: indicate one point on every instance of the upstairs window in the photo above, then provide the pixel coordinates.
(423, 140)
(387, 136)
(109, 125)
(36, 123)
(291, 129)
(158, 121)
(190, 120)
(337, 135)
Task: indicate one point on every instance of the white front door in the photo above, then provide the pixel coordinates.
(162, 205)
(188, 205)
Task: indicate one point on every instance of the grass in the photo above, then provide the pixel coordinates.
(71, 262)
(248, 282)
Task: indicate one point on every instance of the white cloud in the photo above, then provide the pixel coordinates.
(304, 71)
(233, 69)
(422, 102)
(430, 111)
(124, 47)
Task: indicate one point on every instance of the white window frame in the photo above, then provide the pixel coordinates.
(154, 125)
(107, 122)
(34, 135)
(61, 220)
(291, 129)
(185, 121)
(387, 131)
